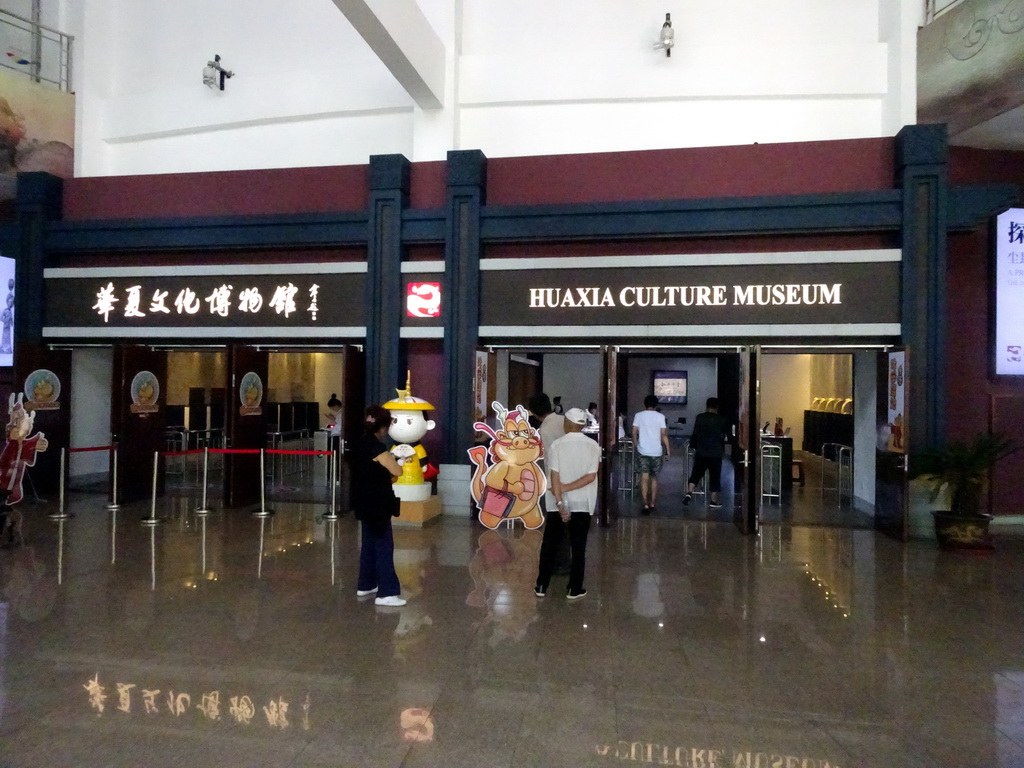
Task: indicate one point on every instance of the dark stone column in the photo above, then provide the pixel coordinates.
(467, 181)
(39, 199)
(389, 196)
(921, 172)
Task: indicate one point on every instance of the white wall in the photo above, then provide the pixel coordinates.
(521, 78)
(865, 393)
(701, 382)
(575, 378)
(786, 392)
(91, 376)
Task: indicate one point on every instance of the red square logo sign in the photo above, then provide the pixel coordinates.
(423, 299)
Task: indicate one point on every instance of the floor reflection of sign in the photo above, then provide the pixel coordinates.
(145, 393)
(42, 388)
(250, 392)
(240, 710)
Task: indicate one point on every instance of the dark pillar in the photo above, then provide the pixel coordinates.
(921, 172)
(467, 180)
(39, 199)
(389, 195)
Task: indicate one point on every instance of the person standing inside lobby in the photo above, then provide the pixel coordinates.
(650, 436)
(710, 432)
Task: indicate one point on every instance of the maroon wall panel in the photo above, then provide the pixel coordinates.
(426, 362)
(221, 193)
(740, 171)
(985, 166)
(749, 244)
(1008, 420)
(967, 344)
(427, 185)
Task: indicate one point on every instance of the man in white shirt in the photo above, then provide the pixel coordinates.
(650, 440)
(573, 462)
(550, 428)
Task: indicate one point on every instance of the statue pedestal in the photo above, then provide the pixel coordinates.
(418, 512)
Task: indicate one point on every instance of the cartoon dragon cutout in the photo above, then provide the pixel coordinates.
(507, 482)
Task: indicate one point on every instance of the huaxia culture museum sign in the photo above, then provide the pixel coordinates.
(713, 294)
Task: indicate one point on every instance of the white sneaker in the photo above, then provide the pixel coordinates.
(394, 601)
(365, 592)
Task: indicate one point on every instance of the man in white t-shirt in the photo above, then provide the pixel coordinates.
(573, 462)
(650, 440)
(551, 427)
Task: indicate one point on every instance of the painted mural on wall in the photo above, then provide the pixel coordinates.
(408, 426)
(507, 481)
(21, 449)
(37, 131)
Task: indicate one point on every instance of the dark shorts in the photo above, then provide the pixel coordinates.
(648, 465)
(712, 465)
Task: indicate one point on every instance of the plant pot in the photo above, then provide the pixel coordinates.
(960, 532)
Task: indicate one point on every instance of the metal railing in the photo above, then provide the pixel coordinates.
(624, 465)
(935, 8)
(843, 461)
(771, 472)
(41, 53)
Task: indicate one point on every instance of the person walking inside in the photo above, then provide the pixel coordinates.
(573, 462)
(710, 431)
(373, 471)
(650, 436)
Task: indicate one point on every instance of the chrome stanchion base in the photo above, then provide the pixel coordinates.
(113, 507)
(332, 516)
(152, 520)
(202, 512)
(60, 515)
(262, 513)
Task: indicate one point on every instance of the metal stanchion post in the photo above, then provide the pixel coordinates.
(263, 511)
(332, 511)
(60, 514)
(153, 519)
(203, 509)
(113, 505)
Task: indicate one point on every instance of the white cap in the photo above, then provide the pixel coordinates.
(576, 416)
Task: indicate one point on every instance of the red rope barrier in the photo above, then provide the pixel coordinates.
(182, 453)
(92, 448)
(233, 450)
(301, 453)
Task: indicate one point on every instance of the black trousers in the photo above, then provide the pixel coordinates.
(554, 530)
(713, 466)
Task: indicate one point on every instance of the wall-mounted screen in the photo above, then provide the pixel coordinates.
(7, 312)
(1009, 281)
(669, 386)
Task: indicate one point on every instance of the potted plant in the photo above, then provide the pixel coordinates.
(961, 469)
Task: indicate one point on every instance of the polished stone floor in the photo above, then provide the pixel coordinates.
(235, 641)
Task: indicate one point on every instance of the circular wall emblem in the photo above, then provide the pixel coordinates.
(145, 392)
(250, 393)
(42, 390)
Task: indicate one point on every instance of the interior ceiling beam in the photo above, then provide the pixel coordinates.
(398, 32)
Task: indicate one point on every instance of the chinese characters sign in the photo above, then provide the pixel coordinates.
(1010, 293)
(296, 300)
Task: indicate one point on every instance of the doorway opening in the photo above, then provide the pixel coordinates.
(810, 410)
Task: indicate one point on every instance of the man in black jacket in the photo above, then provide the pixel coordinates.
(710, 431)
